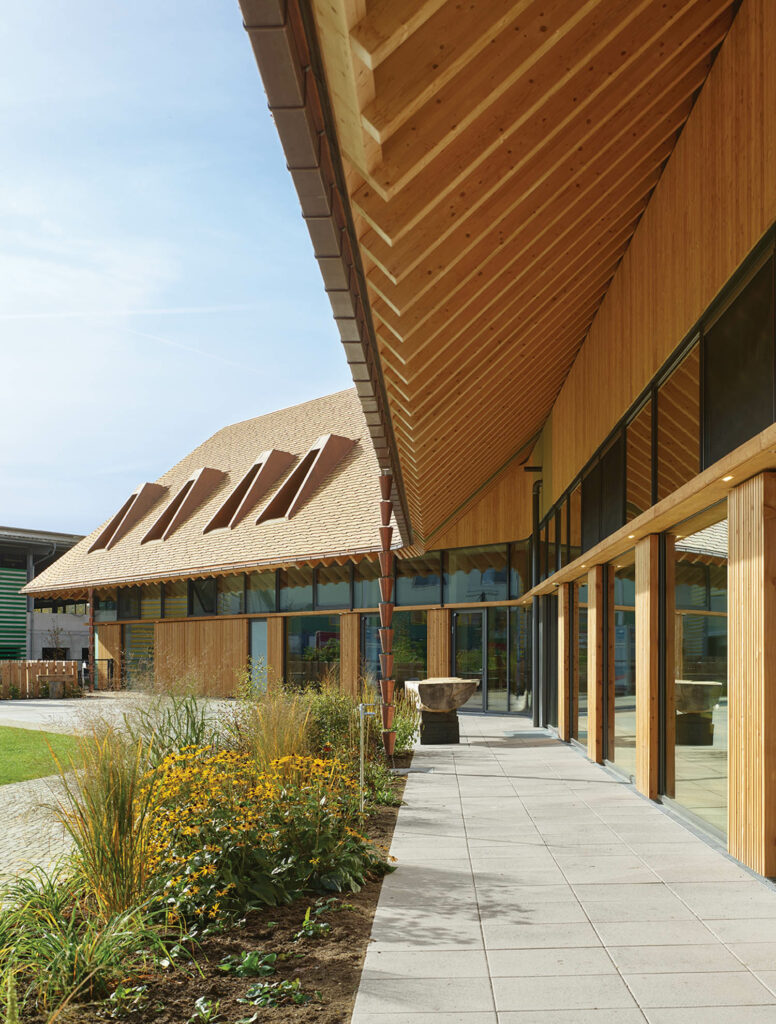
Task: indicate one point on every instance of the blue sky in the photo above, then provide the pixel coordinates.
(156, 278)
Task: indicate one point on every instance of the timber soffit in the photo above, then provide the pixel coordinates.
(499, 157)
(281, 33)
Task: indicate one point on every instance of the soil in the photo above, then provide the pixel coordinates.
(328, 967)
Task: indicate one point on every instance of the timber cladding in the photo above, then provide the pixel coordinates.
(715, 201)
(210, 654)
(108, 647)
(752, 673)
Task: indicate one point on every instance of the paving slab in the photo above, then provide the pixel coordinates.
(534, 887)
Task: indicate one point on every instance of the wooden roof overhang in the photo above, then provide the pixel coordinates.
(485, 170)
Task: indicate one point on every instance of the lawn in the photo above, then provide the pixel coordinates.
(26, 753)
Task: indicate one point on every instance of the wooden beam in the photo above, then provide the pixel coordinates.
(647, 665)
(387, 25)
(439, 625)
(350, 653)
(595, 663)
(565, 668)
(752, 673)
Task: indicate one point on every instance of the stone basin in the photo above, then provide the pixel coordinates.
(696, 695)
(445, 693)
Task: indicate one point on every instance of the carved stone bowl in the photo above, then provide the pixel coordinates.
(441, 694)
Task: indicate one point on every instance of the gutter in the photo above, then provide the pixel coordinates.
(282, 34)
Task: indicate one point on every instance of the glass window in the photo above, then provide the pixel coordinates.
(418, 579)
(519, 568)
(366, 589)
(258, 641)
(552, 547)
(638, 445)
(129, 602)
(563, 532)
(332, 586)
(151, 601)
(230, 595)
(497, 659)
(260, 593)
(624, 727)
(105, 609)
(697, 693)
(410, 638)
(296, 589)
(575, 528)
(176, 599)
(312, 650)
(613, 487)
(738, 369)
(204, 594)
(476, 574)
(520, 660)
(579, 680)
(678, 426)
(139, 655)
(591, 507)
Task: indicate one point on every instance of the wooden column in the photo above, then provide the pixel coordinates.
(595, 662)
(438, 652)
(90, 661)
(275, 649)
(387, 570)
(647, 665)
(565, 606)
(350, 653)
(752, 673)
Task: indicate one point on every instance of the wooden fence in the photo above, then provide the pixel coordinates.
(22, 679)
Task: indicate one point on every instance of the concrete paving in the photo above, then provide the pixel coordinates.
(29, 834)
(534, 887)
(72, 715)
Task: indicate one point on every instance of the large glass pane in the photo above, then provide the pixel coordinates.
(520, 663)
(638, 442)
(366, 590)
(476, 574)
(312, 650)
(563, 533)
(624, 682)
(613, 487)
(258, 640)
(139, 655)
(105, 607)
(370, 655)
(552, 547)
(738, 369)
(519, 568)
(296, 589)
(176, 599)
(260, 592)
(231, 595)
(497, 659)
(129, 603)
(332, 587)
(151, 601)
(468, 640)
(678, 426)
(575, 526)
(418, 579)
(204, 597)
(410, 645)
(579, 696)
(696, 698)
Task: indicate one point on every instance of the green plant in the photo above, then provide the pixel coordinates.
(249, 965)
(11, 1000)
(406, 722)
(312, 928)
(205, 1010)
(269, 725)
(126, 998)
(105, 807)
(277, 993)
(333, 721)
(13, 692)
(58, 949)
(169, 722)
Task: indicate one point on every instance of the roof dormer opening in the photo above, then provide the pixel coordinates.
(130, 513)
(264, 472)
(189, 497)
(316, 465)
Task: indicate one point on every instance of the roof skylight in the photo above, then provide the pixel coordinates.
(189, 497)
(268, 468)
(316, 465)
(130, 513)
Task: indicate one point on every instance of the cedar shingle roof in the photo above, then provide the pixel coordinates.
(341, 516)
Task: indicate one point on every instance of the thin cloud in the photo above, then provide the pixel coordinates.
(89, 314)
(189, 348)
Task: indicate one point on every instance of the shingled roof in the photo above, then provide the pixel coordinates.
(340, 517)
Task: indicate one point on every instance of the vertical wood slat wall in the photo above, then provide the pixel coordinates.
(275, 648)
(350, 652)
(595, 664)
(647, 664)
(673, 655)
(439, 625)
(752, 673)
(108, 646)
(211, 654)
(564, 661)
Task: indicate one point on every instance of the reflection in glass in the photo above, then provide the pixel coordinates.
(231, 595)
(468, 628)
(258, 640)
(418, 579)
(497, 659)
(678, 426)
(176, 600)
(296, 589)
(638, 441)
(575, 529)
(476, 574)
(151, 601)
(260, 592)
(129, 603)
(697, 699)
(579, 682)
(312, 649)
(552, 549)
(624, 682)
(139, 655)
(204, 595)
(332, 586)
(520, 664)
(105, 607)
(519, 568)
(366, 590)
